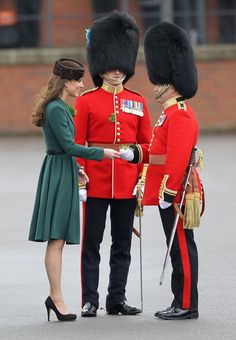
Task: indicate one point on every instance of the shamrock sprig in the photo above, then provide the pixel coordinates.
(72, 110)
(112, 118)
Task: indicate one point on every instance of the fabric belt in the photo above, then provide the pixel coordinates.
(109, 146)
(55, 152)
(157, 159)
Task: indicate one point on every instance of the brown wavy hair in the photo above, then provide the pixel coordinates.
(53, 90)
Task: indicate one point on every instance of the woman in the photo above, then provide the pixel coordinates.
(56, 211)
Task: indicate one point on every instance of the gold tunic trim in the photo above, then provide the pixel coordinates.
(140, 152)
(174, 101)
(90, 90)
(164, 190)
(112, 89)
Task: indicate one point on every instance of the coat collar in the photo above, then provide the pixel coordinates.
(112, 89)
(67, 109)
(173, 101)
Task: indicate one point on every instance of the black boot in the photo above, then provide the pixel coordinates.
(122, 308)
(175, 313)
(89, 310)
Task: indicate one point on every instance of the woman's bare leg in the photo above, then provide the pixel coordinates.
(53, 264)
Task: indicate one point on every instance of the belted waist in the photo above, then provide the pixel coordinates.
(108, 146)
(157, 159)
(55, 152)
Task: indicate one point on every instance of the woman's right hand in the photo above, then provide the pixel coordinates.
(110, 153)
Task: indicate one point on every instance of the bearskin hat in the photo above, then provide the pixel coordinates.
(112, 44)
(68, 69)
(170, 58)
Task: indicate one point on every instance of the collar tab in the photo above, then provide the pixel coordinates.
(173, 101)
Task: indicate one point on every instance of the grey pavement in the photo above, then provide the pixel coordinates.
(23, 282)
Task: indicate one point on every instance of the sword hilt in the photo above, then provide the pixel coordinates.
(193, 156)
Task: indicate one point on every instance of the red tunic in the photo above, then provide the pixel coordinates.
(111, 118)
(174, 136)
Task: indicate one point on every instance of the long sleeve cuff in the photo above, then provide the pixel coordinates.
(165, 193)
(138, 153)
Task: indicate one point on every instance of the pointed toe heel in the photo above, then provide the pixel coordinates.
(60, 317)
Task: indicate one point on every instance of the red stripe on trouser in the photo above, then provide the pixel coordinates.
(186, 265)
(81, 249)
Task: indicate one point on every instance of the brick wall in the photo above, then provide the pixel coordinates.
(70, 19)
(24, 72)
(214, 104)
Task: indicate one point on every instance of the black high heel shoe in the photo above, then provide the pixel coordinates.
(61, 317)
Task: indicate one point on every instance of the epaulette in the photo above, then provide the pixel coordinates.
(139, 94)
(90, 90)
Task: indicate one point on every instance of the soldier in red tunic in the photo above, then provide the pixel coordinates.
(171, 67)
(110, 115)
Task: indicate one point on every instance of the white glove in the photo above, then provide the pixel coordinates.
(164, 205)
(127, 154)
(83, 195)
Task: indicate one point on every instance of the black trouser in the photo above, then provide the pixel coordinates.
(184, 258)
(122, 217)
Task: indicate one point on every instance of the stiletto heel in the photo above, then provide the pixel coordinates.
(61, 317)
(48, 311)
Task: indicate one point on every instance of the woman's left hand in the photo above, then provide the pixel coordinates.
(83, 178)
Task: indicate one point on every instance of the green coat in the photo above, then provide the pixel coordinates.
(56, 213)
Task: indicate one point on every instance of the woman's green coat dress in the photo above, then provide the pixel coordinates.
(56, 214)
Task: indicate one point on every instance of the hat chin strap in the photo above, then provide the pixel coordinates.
(111, 80)
(163, 90)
